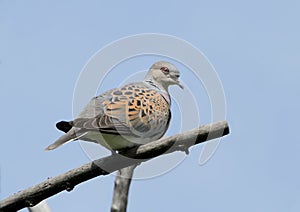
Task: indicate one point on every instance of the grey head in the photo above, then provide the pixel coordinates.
(162, 74)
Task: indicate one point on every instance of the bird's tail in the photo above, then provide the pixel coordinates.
(69, 136)
(64, 126)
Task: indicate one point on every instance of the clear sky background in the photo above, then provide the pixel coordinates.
(254, 47)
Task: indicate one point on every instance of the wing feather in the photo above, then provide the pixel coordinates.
(132, 110)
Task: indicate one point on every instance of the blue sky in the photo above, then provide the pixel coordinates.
(254, 47)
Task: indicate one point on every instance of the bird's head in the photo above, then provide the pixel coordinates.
(164, 74)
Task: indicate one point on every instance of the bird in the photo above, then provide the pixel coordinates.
(127, 116)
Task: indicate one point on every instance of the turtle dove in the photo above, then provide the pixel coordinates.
(127, 116)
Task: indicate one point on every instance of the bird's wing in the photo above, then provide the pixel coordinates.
(129, 110)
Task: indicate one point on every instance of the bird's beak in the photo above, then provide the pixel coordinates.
(179, 84)
(175, 78)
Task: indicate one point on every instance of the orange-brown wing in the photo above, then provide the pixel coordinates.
(131, 110)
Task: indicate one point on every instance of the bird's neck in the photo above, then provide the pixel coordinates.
(156, 85)
(163, 90)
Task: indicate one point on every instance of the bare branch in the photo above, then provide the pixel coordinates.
(121, 189)
(40, 207)
(67, 181)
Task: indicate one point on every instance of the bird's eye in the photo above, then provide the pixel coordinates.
(165, 70)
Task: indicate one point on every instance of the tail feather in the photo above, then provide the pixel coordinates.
(64, 126)
(69, 136)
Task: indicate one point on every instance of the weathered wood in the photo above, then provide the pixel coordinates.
(121, 189)
(67, 181)
(40, 207)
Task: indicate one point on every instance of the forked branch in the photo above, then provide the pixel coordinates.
(67, 181)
